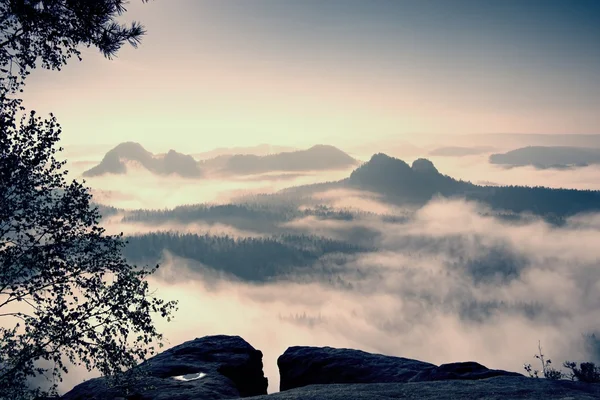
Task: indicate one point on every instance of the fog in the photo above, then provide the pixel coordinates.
(114, 226)
(450, 284)
(426, 294)
(478, 170)
(141, 189)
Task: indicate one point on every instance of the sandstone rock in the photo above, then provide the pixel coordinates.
(208, 368)
(301, 366)
(497, 388)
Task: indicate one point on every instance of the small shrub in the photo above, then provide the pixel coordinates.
(547, 370)
(587, 372)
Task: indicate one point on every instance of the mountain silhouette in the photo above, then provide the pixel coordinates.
(316, 158)
(399, 183)
(115, 162)
(548, 157)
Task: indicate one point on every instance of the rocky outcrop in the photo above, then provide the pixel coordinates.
(498, 388)
(303, 366)
(424, 165)
(227, 367)
(400, 183)
(208, 368)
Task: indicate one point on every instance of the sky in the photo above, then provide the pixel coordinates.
(213, 73)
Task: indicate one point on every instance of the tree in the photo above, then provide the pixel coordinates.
(50, 32)
(67, 295)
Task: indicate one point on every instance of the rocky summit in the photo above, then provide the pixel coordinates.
(303, 366)
(227, 367)
(208, 368)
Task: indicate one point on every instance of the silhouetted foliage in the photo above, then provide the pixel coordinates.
(106, 211)
(587, 372)
(251, 259)
(225, 213)
(547, 370)
(551, 203)
(64, 287)
(49, 32)
(67, 295)
(207, 212)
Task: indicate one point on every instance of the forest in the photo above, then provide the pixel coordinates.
(249, 259)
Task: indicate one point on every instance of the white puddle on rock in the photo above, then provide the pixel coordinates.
(190, 377)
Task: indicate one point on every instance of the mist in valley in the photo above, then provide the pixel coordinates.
(448, 281)
(394, 177)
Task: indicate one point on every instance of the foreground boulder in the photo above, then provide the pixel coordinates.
(498, 388)
(302, 366)
(208, 368)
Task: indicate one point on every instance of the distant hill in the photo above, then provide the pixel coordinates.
(316, 158)
(399, 183)
(548, 157)
(117, 159)
(456, 151)
(402, 184)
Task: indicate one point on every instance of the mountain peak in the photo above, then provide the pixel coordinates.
(114, 162)
(130, 150)
(129, 146)
(423, 165)
(325, 149)
(394, 177)
(380, 165)
(382, 160)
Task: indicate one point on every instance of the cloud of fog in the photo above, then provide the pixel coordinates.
(478, 170)
(141, 189)
(114, 226)
(355, 200)
(450, 285)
